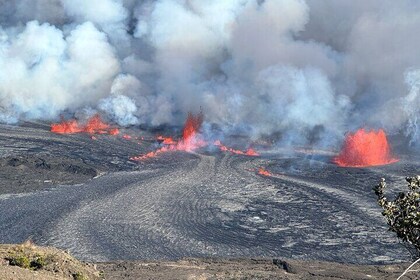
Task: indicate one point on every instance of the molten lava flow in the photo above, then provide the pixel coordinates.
(249, 152)
(264, 172)
(365, 148)
(66, 127)
(94, 125)
(166, 140)
(155, 153)
(191, 140)
(114, 131)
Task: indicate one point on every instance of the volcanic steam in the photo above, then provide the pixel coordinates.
(365, 148)
(149, 62)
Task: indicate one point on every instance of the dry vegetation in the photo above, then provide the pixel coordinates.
(27, 261)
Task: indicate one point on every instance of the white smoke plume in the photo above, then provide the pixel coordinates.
(43, 72)
(120, 107)
(411, 105)
(307, 71)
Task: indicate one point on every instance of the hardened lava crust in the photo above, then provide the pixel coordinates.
(82, 193)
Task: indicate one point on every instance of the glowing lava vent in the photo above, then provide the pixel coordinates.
(365, 148)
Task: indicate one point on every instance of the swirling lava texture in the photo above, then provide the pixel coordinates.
(199, 204)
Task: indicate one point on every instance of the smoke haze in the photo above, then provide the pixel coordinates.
(308, 71)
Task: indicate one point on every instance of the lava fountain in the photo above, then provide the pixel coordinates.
(190, 141)
(94, 125)
(365, 148)
(190, 137)
(192, 126)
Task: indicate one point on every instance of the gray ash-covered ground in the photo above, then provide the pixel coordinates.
(86, 196)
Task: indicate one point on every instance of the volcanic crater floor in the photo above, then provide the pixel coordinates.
(85, 195)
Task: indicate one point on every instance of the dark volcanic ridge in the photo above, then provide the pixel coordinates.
(30, 172)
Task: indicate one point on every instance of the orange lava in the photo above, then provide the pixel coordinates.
(114, 131)
(365, 148)
(126, 136)
(192, 126)
(169, 141)
(190, 141)
(66, 127)
(264, 172)
(166, 140)
(249, 152)
(94, 125)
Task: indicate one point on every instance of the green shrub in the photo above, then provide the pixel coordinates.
(38, 262)
(403, 213)
(19, 260)
(79, 276)
(34, 262)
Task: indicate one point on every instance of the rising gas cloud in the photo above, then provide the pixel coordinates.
(307, 71)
